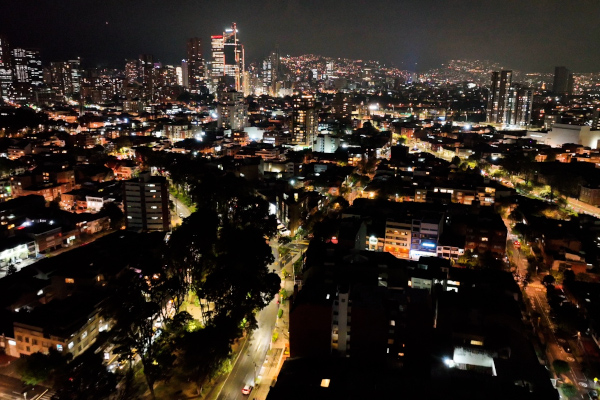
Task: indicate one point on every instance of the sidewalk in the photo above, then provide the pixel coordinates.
(280, 348)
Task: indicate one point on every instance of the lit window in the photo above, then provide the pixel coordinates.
(484, 239)
(325, 382)
(70, 345)
(476, 343)
(69, 280)
(59, 347)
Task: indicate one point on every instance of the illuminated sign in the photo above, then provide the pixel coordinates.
(427, 244)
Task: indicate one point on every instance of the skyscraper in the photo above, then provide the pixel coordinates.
(228, 57)
(304, 120)
(271, 72)
(508, 104)
(563, 81)
(132, 70)
(195, 65)
(146, 74)
(6, 71)
(498, 97)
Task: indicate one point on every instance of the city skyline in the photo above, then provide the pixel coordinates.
(412, 35)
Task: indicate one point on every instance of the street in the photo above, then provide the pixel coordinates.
(247, 367)
(554, 345)
(544, 326)
(251, 358)
(13, 389)
(180, 212)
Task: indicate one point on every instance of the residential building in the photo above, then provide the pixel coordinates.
(68, 325)
(232, 111)
(146, 203)
(304, 120)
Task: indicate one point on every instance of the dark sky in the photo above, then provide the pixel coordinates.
(530, 35)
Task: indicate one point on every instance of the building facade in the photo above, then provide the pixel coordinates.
(195, 65)
(304, 120)
(146, 203)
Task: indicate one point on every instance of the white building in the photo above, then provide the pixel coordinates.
(326, 144)
(577, 134)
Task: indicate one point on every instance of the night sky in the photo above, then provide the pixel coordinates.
(530, 35)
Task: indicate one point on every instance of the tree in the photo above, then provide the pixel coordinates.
(39, 367)
(86, 378)
(122, 142)
(548, 280)
(11, 269)
(561, 366)
(569, 390)
(203, 352)
(468, 259)
(114, 213)
(137, 311)
(240, 282)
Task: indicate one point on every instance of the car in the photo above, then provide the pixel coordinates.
(247, 389)
(593, 395)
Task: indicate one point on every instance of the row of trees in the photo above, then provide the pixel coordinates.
(218, 254)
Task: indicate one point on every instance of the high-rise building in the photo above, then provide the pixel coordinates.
(563, 81)
(228, 57)
(271, 72)
(508, 104)
(304, 120)
(232, 111)
(64, 77)
(6, 71)
(146, 75)
(521, 113)
(146, 203)
(195, 65)
(185, 74)
(498, 97)
(132, 70)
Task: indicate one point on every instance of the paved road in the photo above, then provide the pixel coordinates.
(249, 364)
(12, 389)
(181, 211)
(554, 351)
(582, 207)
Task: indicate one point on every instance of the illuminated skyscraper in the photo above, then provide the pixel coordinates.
(6, 71)
(146, 74)
(304, 120)
(508, 104)
(132, 70)
(27, 69)
(195, 65)
(65, 77)
(271, 72)
(228, 57)
(498, 97)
